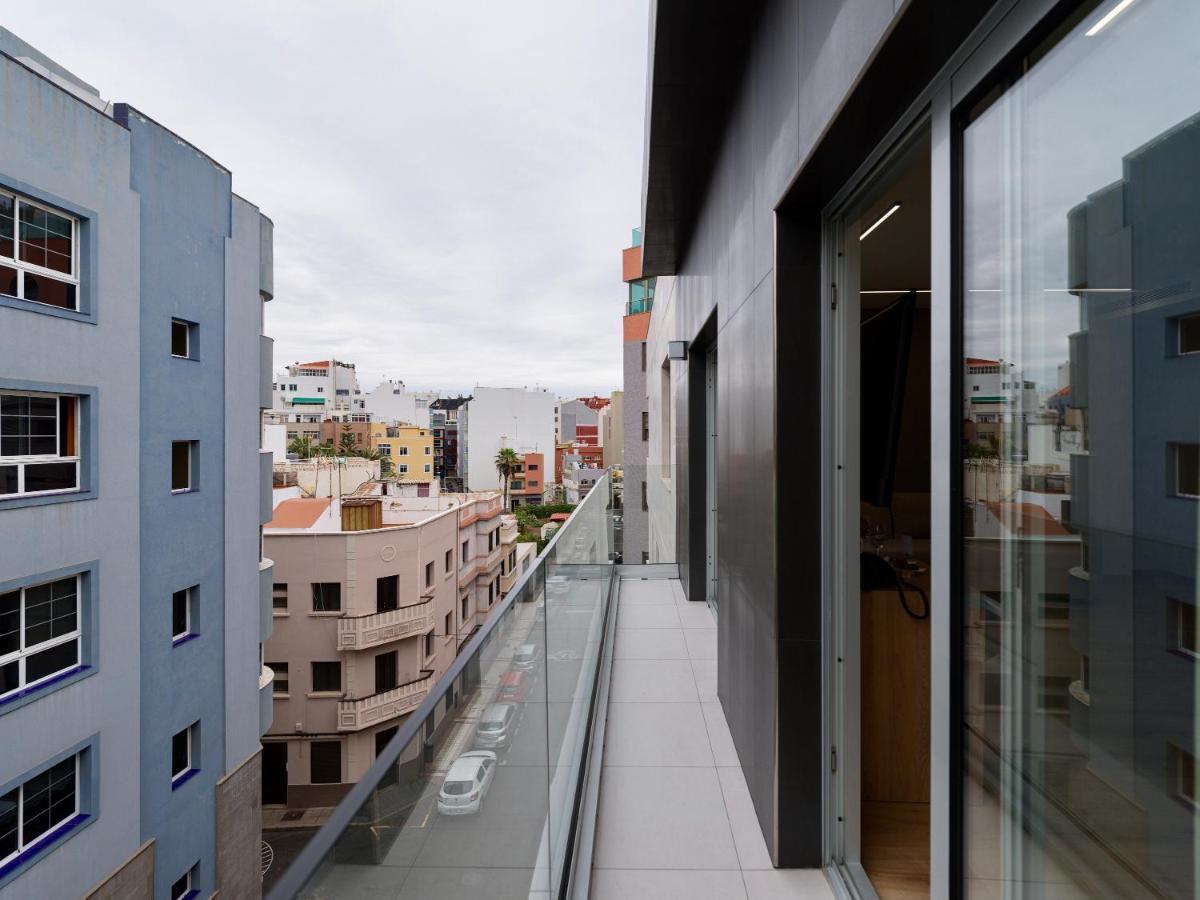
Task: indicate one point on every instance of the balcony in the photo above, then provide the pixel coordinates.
(507, 580)
(266, 699)
(364, 632)
(509, 529)
(355, 715)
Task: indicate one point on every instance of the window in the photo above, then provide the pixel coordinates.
(426, 467)
(326, 596)
(280, 684)
(402, 468)
(403, 450)
(429, 644)
(533, 467)
(466, 550)
(320, 390)
(38, 443)
(1189, 334)
(182, 888)
(31, 811)
(645, 504)
(383, 737)
(181, 466)
(387, 593)
(384, 449)
(533, 482)
(385, 672)
(449, 560)
(184, 760)
(1185, 776)
(181, 615)
(181, 338)
(428, 450)
(428, 574)
(325, 762)
(645, 425)
(449, 624)
(39, 633)
(327, 677)
(342, 392)
(1185, 628)
(44, 268)
(279, 597)
(643, 357)
(464, 602)
(1187, 470)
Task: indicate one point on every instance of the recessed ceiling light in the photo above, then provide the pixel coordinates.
(1108, 17)
(887, 215)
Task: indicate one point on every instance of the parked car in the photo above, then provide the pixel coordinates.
(496, 725)
(514, 686)
(526, 657)
(467, 783)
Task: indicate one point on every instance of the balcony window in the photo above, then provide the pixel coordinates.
(326, 597)
(325, 762)
(40, 634)
(39, 444)
(327, 677)
(42, 266)
(279, 685)
(38, 806)
(428, 574)
(386, 670)
(182, 468)
(387, 593)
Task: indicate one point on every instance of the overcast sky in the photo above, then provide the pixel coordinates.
(451, 183)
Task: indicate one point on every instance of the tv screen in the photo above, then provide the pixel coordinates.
(885, 338)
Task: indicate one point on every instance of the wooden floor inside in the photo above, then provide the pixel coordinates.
(895, 848)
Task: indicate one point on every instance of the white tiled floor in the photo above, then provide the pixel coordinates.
(675, 819)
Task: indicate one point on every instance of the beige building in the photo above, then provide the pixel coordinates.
(373, 598)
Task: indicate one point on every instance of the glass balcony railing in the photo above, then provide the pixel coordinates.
(477, 794)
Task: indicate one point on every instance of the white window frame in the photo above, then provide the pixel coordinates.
(1179, 634)
(23, 845)
(187, 338)
(403, 450)
(187, 628)
(401, 468)
(22, 653)
(188, 891)
(191, 452)
(426, 467)
(21, 461)
(177, 777)
(22, 267)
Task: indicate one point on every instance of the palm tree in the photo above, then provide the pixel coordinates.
(507, 464)
(302, 446)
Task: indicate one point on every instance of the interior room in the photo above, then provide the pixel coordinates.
(893, 244)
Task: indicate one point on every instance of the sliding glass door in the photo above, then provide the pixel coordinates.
(1080, 436)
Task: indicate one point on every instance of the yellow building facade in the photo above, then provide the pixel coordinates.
(407, 450)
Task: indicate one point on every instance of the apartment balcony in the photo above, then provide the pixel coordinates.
(364, 632)
(266, 699)
(355, 715)
(507, 580)
(509, 529)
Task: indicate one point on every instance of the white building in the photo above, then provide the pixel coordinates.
(520, 419)
(324, 386)
(391, 401)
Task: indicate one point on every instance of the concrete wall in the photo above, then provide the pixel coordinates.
(505, 417)
(390, 401)
(62, 150)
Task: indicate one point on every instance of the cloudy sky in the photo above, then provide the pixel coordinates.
(451, 183)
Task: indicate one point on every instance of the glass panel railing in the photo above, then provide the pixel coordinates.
(477, 794)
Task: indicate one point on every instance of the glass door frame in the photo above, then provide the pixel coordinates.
(1007, 27)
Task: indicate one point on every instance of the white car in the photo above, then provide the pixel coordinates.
(467, 783)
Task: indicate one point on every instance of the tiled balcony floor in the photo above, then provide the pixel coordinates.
(675, 818)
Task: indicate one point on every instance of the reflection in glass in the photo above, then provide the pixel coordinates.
(1080, 415)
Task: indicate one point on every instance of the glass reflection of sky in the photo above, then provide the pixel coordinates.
(1058, 136)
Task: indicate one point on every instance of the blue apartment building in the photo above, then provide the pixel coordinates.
(133, 596)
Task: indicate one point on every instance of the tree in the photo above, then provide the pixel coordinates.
(507, 465)
(301, 446)
(346, 445)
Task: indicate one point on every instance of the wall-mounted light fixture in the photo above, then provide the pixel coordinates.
(677, 350)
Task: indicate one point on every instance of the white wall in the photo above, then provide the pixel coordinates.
(506, 417)
(660, 485)
(274, 438)
(390, 401)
